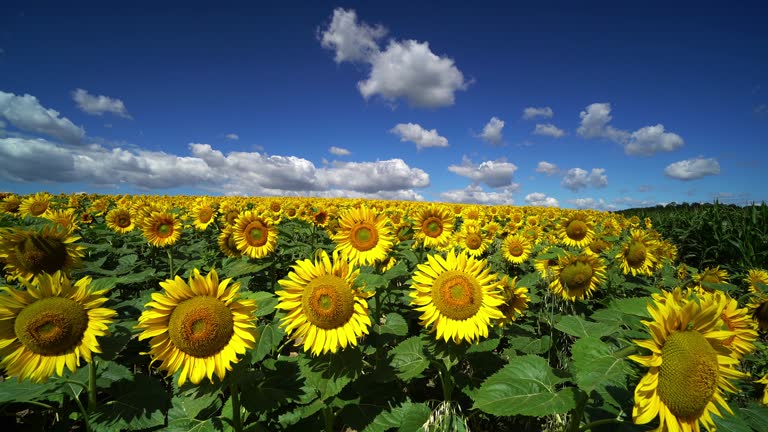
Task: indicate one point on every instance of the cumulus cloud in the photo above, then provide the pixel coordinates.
(339, 151)
(651, 139)
(531, 113)
(350, 40)
(538, 199)
(495, 174)
(418, 135)
(406, 69)
(474, 194)
(26, 113)
(548, 129)
(232, 136)
(693, 168)
(577, 178)
(597, 204)
(594, 124)
(98, 105)
(371, 177)
(492, 131)
(547, 168)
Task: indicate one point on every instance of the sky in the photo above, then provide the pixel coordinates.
(603, 105)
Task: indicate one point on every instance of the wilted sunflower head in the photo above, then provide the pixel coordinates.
(710, 275)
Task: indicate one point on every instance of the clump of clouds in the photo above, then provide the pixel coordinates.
(577, 178)
(531, 113)
(492, 131)
(98, 105)
(339, 151)
(26, 113)
(495, 174)
(474, 194)
(548, 129)
(547, 168)
(694, 168)
(538, 199)
(232, 136)
(421, 137)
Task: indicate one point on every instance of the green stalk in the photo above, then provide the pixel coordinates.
(329, 419)
(170, 263)
(627, 351)
(600, 422)
(82, 410)
(446, 382)
(237, 421)
(92, 386)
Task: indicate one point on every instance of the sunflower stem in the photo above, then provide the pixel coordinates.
(625, 352)
(600, 422)
(446, 382)
(329, 419)
(170, 263)
(83, 411)
(92, 385)
(237, 421)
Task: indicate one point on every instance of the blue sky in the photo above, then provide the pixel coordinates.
(594, 104)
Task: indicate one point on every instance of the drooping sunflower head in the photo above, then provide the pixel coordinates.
(324, 310)
(758, 308)
(576, 230)
(120, 221)
(577, 276)
(198, 327)
(757, 279)
(689, 365)
(457, 296)
(50, 325)
(255, 236)
(433, 226)
(363, 236)
(35, 205)
(516, 248)
(161, 228)
(515, 300)
(636, 255)
(227, 243)
(28, 253)
(10, 205)
(711, 275)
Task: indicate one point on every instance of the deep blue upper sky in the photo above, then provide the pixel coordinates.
(638, 105)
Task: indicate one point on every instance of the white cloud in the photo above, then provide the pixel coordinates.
(410, 70)
(26, 113)
(232, 136)
(547, 168)
(530, 113)
(548, 129)
(495, 174)
(418, 135)
(597, 204)
(693, 168)
(538, 199)
(339, 151)
(98, 105)
(351, 41)
(370, 177)
(650, 139)
(492, 131)
(594, 124)
(475, 194)
(577, 178)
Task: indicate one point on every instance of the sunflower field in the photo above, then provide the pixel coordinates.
(188, 313)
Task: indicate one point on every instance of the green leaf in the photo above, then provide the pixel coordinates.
(269, 339)
(192, 410)
(579, 327)
(394, 324)
(408, 358)
(266, 302)
(371, 281)
(138, 404)
(485, 345)
(234, 269)
(632, 306)
(300, 412)
(13, 391)
(330, 373)
(756, 416)
(526, 386)
(530, 345)
(130, 278)
(596, 368)
(274, 386)
(407, 417)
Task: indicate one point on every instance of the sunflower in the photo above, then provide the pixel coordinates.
(363, 236)
(764, 380)
(545, 263)
(457, 296)
(35, 205)
(203, 214)
(710, 275)
(758, 307)
(472, 238)
(120, 221)
(50, 325)
(636, 254)
(689, 367)
(755, 278)
(577, 276)
(576, 230)
(434, 226)
(324, 311)
(198, 328)
(161, 228)
(516, 248)
(64, 217)
(47, 250)
(515, 300)
(255, 236)
(10, 205)
(227, 244)
(739, 322)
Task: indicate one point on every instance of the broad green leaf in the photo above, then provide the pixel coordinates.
(484, 346)
(300, 412)
(579, 327)
(408, 358)
(632, 306)
(371, 281)
(266, 302)
(394, 324)
(273, 386)
(408, 416)
(530, 345)
(13, 391)
(327, 374)
(269, 337)
(756, 416)
(192, 411)
(242, 267)
(525, 386)
(130, 278)
(137, 404)
(596, 368)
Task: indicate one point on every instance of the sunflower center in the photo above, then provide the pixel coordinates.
(201, 326)
(688, 375)
(576, 230)
(123, 221)
(474, 241)
(761, 315)
(328, 302)
(37, 208)
(457, 295)
(51, 326)
(164, 230)
(516, 249)
(432, 226)
(204, 215)
(576, 276)
(364, 236)
(256, 233)
(636, 254)
(40, 254)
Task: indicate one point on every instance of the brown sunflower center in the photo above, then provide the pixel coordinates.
(11, 206)
(42, 254)
(474, 241)
(231, 217)
(432, 226)
(51, 326)
(256, 233)
(576, 230)
(201, 326)
(204, 215)
(321, 217)
(364, 236)
(457, 295)
(37, 208)
(164, 230)
(761, 315)
(636, 254)
(688, 374)
(516, 249)
(328, 301)
(275, 206)
(123, 221)
(576, 276)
